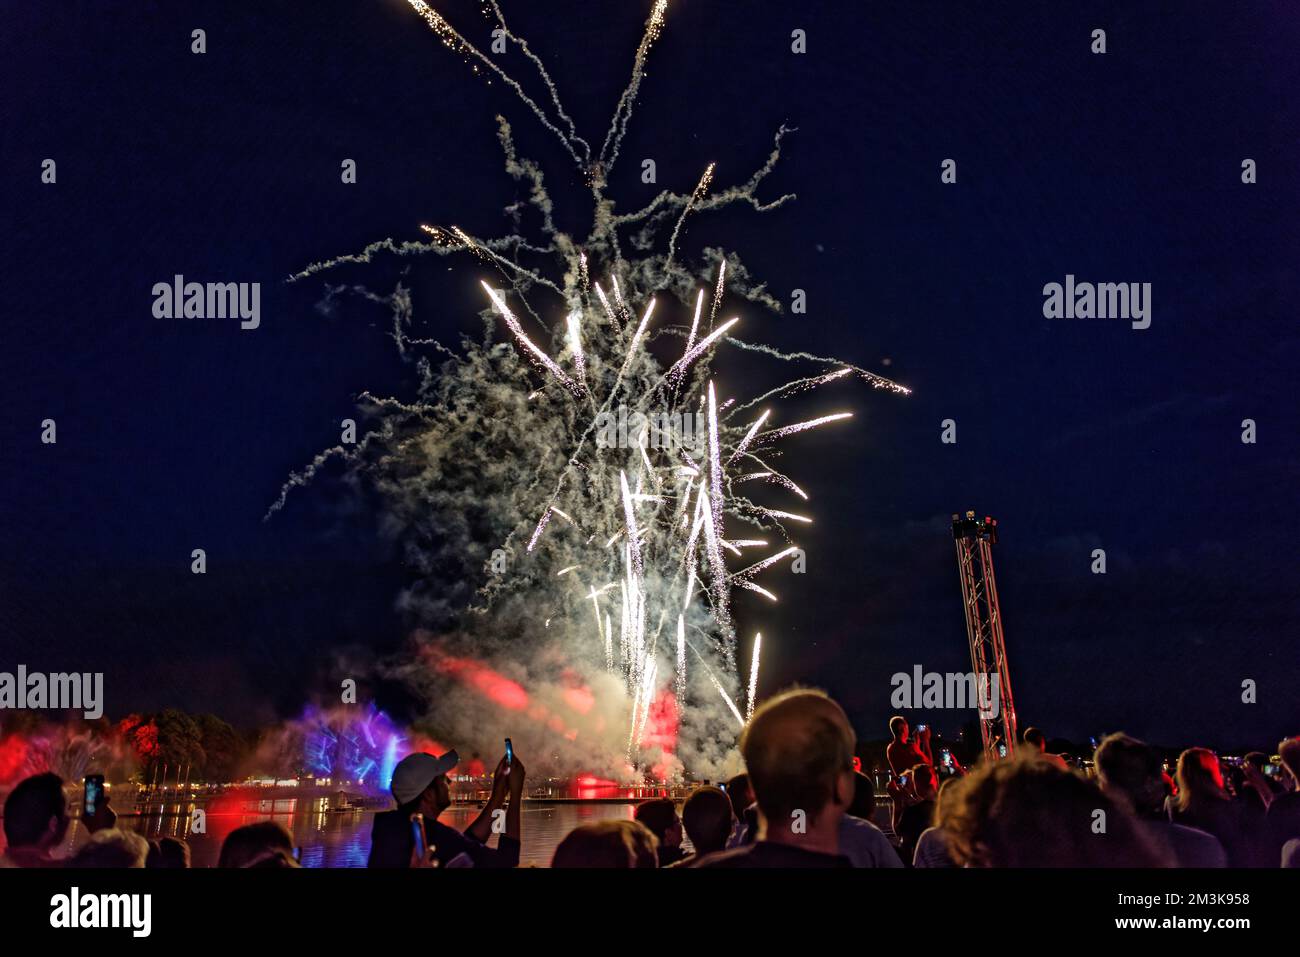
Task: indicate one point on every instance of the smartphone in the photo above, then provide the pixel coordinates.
(510, 753)
(417, 831)
(902, 780)
(1272, 770)
(922, 727)
(1002, 750)
(947, 758)
(94, 796)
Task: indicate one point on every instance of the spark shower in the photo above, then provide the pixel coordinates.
(572, 593)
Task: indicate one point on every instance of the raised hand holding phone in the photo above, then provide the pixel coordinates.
(96, 814)
(94, 794)
(421, 852)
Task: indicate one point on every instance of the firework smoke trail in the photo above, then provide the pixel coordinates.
(509, 433)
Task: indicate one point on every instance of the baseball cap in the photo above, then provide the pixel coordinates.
(415, 772)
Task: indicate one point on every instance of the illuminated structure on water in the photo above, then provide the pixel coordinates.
(988, 651)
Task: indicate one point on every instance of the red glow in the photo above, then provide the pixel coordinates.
(492, 684)
(589, 787)
(13, 757)
(579, 699)
(428, 746)
(661, 724)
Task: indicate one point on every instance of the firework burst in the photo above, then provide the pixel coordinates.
(605, 414)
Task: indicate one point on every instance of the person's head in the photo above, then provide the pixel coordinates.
(660, 816)
(863, 804)
(1289, 751)
(1291, 853)
(1133, 770)
(621, 844)
(1030, 813)
(36, 813)
(925, 782)
(945, 800)
(248, 844)
(706, 815)
(1036, 740)
(169, 853)
(420, 783)
(898, 728)
(741, 794)
(798, 748)
(276, 859)
(111, 848)
(1200, 778)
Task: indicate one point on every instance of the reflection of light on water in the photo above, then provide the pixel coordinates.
(328, 838)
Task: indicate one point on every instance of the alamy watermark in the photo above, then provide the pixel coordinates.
(55, 691)
(948, 690)
(179, 299)
(658, 430)
(1103, 300)
(133, 912)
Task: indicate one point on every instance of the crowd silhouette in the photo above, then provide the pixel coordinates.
(802, 803)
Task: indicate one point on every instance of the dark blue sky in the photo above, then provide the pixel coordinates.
(1076, 434)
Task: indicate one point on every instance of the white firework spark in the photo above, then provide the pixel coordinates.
(753, 676)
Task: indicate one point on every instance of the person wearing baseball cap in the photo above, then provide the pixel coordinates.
(420, 786)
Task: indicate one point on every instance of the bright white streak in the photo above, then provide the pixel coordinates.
(527, 343)
(753, 675)
(727, 698)
(680, 366)
(765, 563)
(762, 591)
(629, 515)
(575, 343)
(613, 320)
(636, 336)
(647, 695)
(618, 296)
(695, 323)
(790, 515)
(541, 527)
(749, 436)
(681, 664)
(804, 426)
(717, 293)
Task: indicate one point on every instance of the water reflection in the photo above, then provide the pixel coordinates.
(329, 835)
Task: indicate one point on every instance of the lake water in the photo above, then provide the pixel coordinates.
(330, 838)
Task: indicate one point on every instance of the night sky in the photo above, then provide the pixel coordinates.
(1076, 434)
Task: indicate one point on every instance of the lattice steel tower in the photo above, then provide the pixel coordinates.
(988, 651)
